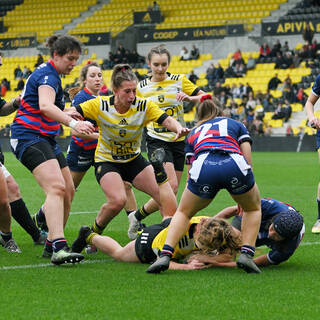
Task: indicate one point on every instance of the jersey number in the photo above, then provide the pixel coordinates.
(222, 128)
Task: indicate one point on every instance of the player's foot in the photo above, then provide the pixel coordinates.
(161, 264)
(156, 160)
(246, 263)
(40, 225)
(42, 238)
(46, 254)
(80, 243)
(65, 256)
(11, 246)
(316, 227)
(135, 226)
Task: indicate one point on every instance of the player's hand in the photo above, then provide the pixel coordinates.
(182, 132)
(73, 113)
(181, 96)
(195, 265)
(84, 127)
(314, 123)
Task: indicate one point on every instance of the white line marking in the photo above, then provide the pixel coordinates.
(84, 212)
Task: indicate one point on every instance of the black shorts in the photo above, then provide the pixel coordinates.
(40, 152)
(143, 245)
(174, 151)
(128, 170)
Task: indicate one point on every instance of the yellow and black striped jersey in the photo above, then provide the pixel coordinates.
(185, 245)
(163, 93)
(120, 133)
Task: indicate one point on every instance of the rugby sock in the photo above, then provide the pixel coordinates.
(48, 246)
(90, 236)
(21, 214)
(318, 201)
(96, 228)
(141, 213)
(6, 236)
(166, 251)
(129, 211)
(40, 216)
(58, 244)
(248, 250)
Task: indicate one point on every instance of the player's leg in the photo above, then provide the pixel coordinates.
(316, 226)
(77, 177)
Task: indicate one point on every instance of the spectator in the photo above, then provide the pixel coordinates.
(264, 50)
(20, 85)
(155, 6)
(274, 82)
(108, 63)
(279, 113)
(194, 53)
(39, 60)
(296, 60)
(235, 91)
(135, 59)
(121, 49)
(3, 88)
(257, 128)
(302, 96)
(276, 48)
(289, 131)
(279, 61)
(307, 34)
(267, 102)
(219, 72)
(251, 64)
(26, 72)
(17, 72)
(193, 77)
(118, 57)
(184, 54)
(259, 113)
(287, 110)
(211, 74)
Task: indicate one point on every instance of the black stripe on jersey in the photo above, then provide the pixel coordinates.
(192, 229)
(162, 118)
(143, 83)
(142, 105)
(195, 92)
(112, 101)
(105, 106)
(175, 77)
(79, 109)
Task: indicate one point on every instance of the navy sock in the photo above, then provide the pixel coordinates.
(40, 216)
(6, 236)
(167, 251)
(58, 244)
(21, 214)
(248, 250)
(318, 202)
(48, 246)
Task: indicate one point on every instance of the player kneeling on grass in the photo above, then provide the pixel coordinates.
(281, 230)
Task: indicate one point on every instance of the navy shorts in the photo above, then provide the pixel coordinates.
(128, 170)
(214, 171)
(33, 152)
(79, 159)
(318, 139)
(174, 151)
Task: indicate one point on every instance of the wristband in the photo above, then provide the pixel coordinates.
(73, 123)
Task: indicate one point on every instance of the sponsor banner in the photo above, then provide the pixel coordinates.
(289, 27)
(141, 17)
(93, 39)
(14, 43)
(178, 34)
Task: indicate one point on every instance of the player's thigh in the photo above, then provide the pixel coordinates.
(113, 186)
(250, 200)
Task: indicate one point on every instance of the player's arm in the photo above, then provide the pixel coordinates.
(182, 96)
(93, 136)
(49, 109)
(309, 107)
(245, 148)
(174, 126)
(262, 261)
(192, 265)
(227, 213)
(220, 260)
(10, 107)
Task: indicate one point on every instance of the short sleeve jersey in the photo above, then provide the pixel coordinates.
(316, 86)
(220, 133)
(29, 120)
(119, 133)
(82, 96)
(163, 93)
(185, 245)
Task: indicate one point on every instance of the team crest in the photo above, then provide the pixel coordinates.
(159, 88)
(99, 170)
(161, 98)
(122, 133)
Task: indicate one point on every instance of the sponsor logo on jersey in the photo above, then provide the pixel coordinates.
(123, 122)
(161, 98)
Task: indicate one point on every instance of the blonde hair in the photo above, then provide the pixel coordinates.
(208, 109)
(217, 235)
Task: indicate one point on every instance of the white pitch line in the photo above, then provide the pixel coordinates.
(84, 212)
(45, 265)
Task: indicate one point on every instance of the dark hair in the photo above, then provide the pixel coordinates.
(161, 49)
(208, 109)
(63, 44)
(122, 72)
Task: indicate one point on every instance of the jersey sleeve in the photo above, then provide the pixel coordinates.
(189, 152)
(188, 87)
(316, 86)
(2, 102)
(49, 80)
(154, 113)
(244, 135)
(90, 108)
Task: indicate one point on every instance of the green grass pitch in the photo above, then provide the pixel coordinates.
(101, 288)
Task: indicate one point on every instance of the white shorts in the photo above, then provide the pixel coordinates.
(5, 171)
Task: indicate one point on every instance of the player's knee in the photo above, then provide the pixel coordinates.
(117, 204)
(13, 190)
(58, 189)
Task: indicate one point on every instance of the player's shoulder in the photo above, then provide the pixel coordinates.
(175, 76)
(143, 83)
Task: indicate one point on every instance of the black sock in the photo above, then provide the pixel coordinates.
(41, 218)
(58, 244)
(21, 214)
(96, 228)
(48, 246)
(141, 213)
(6, 236)
(318, 202)
(129, 211)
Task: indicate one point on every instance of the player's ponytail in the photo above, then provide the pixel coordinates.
(209, 108)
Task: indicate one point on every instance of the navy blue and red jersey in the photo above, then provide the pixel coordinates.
(220, 133)
(29, 121)
(82, 96)
(280, 251)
